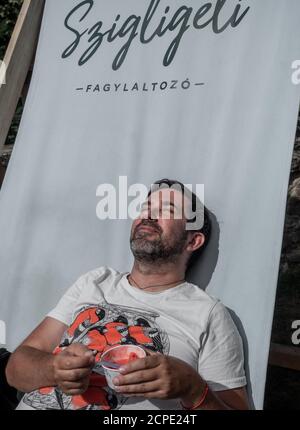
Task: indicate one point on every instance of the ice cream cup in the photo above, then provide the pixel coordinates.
(120, 354)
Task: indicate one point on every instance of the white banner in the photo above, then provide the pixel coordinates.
(203, 92)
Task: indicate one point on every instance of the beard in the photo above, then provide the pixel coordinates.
(159, 249)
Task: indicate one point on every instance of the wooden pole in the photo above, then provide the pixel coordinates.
(18, 59)
(285, 356)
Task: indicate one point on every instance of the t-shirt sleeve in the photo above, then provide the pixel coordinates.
(65, 307)
(221, 358)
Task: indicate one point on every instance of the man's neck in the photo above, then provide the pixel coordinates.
(156, 278)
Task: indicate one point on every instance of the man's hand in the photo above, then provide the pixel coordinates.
(160, 377)
(72, 368)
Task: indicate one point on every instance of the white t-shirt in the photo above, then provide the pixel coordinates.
(102, 309)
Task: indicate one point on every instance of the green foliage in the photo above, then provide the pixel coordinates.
(9, 11)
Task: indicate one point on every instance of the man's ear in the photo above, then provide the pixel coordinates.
(195, 242)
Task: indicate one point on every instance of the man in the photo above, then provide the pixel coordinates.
(194, 353)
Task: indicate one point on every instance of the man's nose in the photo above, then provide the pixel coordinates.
(153, 213)
(150, 214)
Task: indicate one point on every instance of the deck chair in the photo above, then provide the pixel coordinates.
(206, 96)
(8, 395)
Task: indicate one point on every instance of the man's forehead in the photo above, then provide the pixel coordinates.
(168, 195)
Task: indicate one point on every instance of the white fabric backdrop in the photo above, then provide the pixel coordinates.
(234, 134)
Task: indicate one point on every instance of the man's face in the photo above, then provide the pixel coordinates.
(159, 234)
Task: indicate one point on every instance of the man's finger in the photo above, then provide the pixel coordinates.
(74, 391)
(66, 386)
(73, 375)
(78, 349)
(136, 377)
(148, 362)
(151, 352)
(68, 362)
(138, 389)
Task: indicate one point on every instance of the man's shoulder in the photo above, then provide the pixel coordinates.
(197, 294)
(197, 290)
